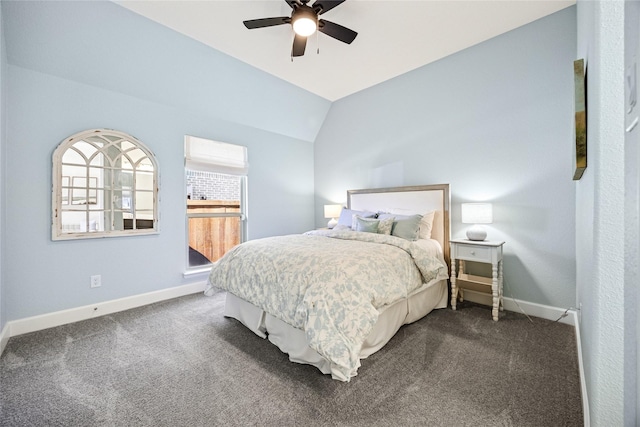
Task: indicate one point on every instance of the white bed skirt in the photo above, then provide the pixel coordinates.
(292, 341)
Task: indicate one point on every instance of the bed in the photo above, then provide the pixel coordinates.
(330, 298)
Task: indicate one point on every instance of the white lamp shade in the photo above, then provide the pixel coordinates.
(477, 213)
(332, 211)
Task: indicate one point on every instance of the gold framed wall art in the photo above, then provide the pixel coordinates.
(580, 79)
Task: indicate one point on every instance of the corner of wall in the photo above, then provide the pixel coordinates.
(3, 95)
(599, 220)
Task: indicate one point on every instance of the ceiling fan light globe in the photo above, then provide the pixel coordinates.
(304, 26)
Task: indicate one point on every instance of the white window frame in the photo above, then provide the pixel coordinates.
(204, 155)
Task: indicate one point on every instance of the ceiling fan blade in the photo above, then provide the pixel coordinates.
(266, 22)
(322, 6)
(293, 3)
(336, 31)
(299, 44)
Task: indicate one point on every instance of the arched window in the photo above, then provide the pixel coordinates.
(105, 183)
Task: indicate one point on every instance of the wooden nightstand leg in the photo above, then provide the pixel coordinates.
(495, 291)
(501, 283)
(460, 290)
(454, 290)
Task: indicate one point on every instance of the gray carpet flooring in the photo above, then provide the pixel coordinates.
(181, 363)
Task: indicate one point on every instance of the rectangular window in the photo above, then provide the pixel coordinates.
(216, 199)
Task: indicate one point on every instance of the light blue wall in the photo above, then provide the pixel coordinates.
(3, 117)
(102, 44)
(143, 79)
(493, 121)
(600, 227)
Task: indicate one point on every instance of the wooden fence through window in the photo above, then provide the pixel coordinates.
(213, 237)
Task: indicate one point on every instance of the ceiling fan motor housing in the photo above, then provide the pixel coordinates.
(304, 20)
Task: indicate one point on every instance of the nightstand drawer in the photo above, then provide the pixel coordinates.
(473, 253)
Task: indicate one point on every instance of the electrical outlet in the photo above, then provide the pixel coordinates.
(96, 281)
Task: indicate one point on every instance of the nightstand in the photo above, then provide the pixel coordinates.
(478, 251)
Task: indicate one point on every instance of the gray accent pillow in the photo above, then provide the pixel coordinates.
(368, 225)
(407, 228)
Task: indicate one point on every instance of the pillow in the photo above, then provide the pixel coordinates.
(383, 216)
(407, 228)
(426, 225)
(368, 225)
(386, 225)
(346, 216)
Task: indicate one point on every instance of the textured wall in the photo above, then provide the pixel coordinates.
(600, 211)
(632, 215)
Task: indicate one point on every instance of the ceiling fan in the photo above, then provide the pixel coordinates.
(305, 21)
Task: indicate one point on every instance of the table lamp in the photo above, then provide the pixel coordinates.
(333, 212)
(476, 214)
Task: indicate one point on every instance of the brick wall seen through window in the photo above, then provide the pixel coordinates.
(212, 186)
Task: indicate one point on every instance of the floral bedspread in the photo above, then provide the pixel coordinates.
(327, 283)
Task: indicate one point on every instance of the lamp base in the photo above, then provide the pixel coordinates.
(477, 233)
(332, 223)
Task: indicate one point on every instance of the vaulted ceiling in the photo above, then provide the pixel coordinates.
(394, 37)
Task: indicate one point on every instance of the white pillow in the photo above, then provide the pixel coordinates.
(426, 225)
(386, 225)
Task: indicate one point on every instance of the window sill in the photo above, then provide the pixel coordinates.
(197, 272)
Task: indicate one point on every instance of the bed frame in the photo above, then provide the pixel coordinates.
(406, 200)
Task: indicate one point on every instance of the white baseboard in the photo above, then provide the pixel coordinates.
(63, 317)
(583, 383)
(530, 308)
(4, 337)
